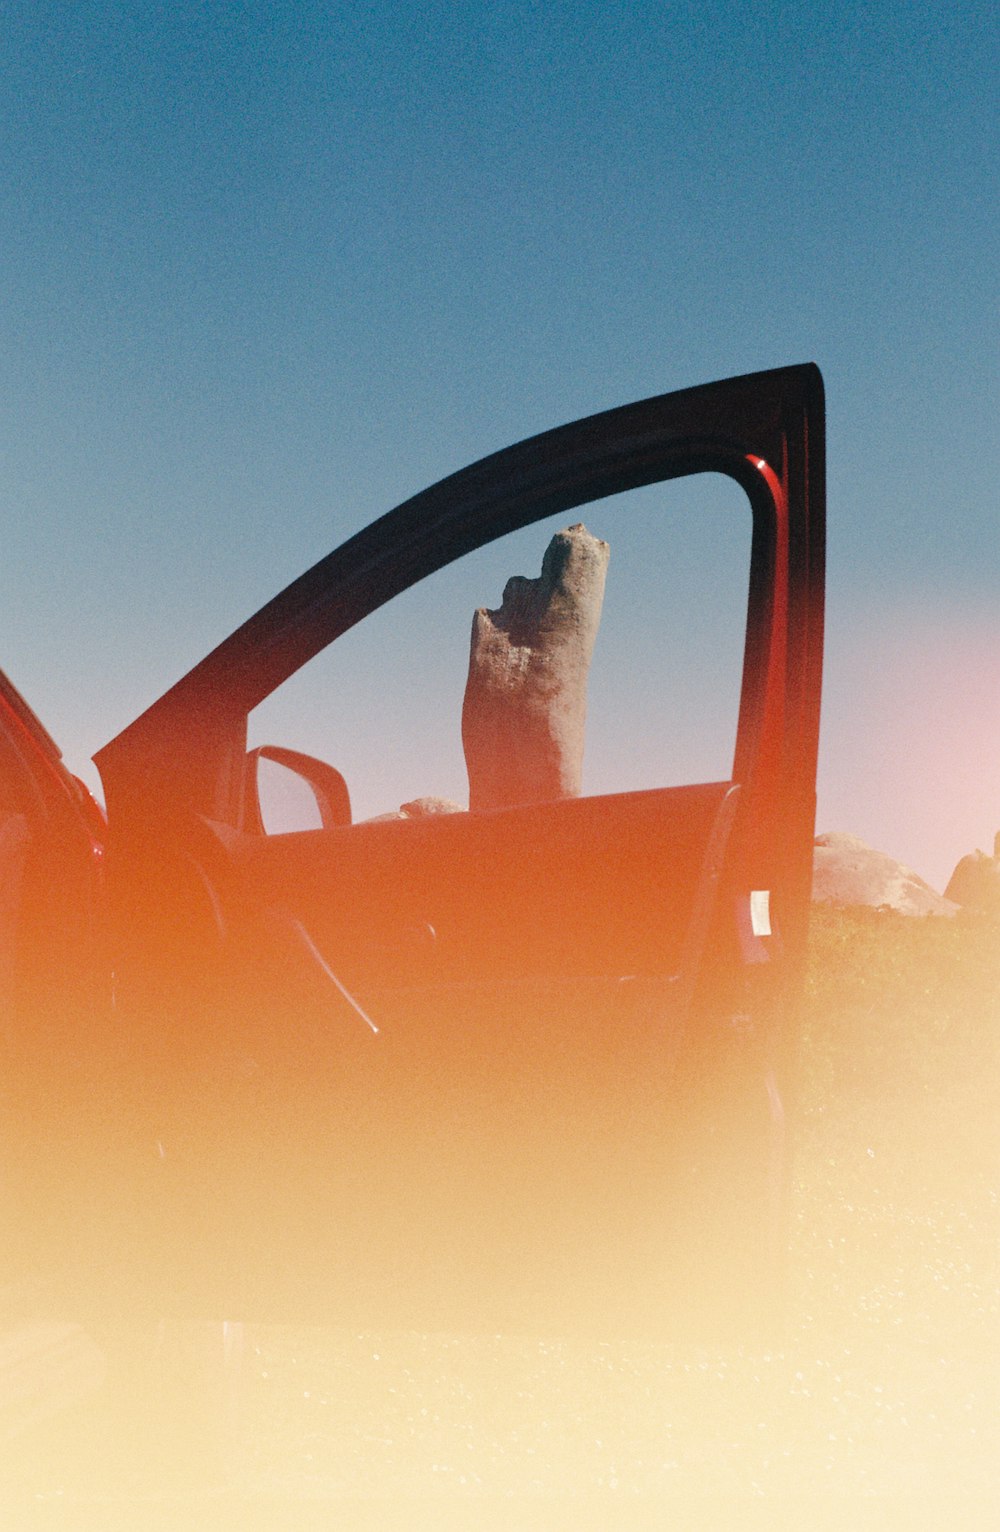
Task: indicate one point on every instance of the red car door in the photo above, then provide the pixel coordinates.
(564, 1105)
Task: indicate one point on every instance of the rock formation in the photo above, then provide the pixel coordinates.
(419, 808)
(525, 708)
(424, 808)
(847, 871)
(975, 883)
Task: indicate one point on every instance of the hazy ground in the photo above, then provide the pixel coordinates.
(881, 1408)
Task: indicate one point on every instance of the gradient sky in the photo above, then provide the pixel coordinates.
(267, 269)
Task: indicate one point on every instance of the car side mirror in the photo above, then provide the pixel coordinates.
(286, 790)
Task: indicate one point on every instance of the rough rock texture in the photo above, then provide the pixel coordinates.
(525, 707)
(419, 808)
(847, 871)
(422, 808)
(975, 883)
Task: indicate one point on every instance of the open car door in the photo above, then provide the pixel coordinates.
(523, 1067)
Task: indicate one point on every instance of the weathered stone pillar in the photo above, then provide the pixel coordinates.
(525, 709)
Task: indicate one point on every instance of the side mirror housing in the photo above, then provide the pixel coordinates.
(302, 791)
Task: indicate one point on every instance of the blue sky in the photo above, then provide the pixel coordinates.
(267, 269)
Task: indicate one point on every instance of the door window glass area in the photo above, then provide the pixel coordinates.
(384, 703)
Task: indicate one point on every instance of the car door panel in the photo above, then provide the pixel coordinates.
(584, 887)
(512, 1067)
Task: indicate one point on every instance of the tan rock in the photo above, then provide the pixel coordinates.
(975, 883)
(418, 808)
(423, 808)
(525, 710)
(848, 871)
